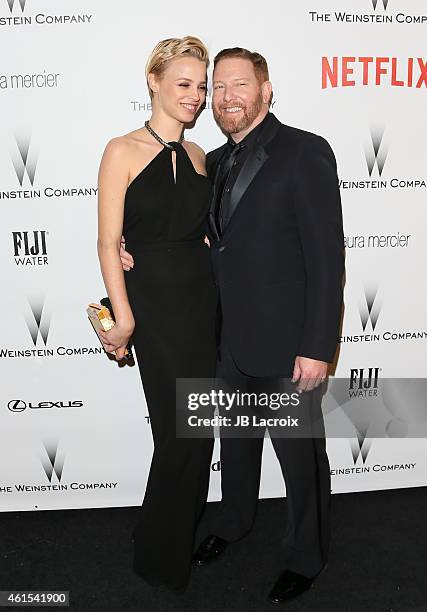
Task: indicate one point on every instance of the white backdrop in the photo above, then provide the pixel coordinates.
(74, 425)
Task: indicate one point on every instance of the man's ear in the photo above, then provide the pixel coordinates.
(267, 92)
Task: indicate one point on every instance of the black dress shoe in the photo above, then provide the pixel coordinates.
(288, 586)
(209, 549)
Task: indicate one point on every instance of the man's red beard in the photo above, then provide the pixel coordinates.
(231, 124)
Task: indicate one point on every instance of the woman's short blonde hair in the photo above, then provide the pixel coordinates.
(171, 48)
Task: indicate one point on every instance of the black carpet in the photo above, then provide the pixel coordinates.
(378, 559)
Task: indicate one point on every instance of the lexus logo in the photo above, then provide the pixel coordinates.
(11, 4)
(23, 162)
(384, 3)
(377, 154)
(370, 308)
(17, 405)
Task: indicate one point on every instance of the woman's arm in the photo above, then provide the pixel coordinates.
(112, 184)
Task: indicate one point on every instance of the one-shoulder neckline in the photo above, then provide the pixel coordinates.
(141, 172)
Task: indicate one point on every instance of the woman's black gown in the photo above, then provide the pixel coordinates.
(173, 298)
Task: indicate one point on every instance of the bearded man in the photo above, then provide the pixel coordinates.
(276, 238)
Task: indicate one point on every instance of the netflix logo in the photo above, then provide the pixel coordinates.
(377, 71)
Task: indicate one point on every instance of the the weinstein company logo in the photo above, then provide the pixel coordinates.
(350, 394)
(11, 4)
(383, 2)
(52, 461)
(376, 155)
(38, 321)
(370, 308)
(376, 152)
(378, 14)
(16, 16)
(394, 405)
(29, 248)
(360, 447)
(34, 320)
(22, 162)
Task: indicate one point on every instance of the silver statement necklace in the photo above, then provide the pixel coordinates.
(159, 138)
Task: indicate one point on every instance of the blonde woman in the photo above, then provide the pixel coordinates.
(153, 188)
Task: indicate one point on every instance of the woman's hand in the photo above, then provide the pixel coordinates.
(126, 258)
(116, 339)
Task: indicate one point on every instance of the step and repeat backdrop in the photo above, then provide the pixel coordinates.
(74, 425)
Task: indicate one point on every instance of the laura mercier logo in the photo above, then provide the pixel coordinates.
(398, 240)
(35, 80)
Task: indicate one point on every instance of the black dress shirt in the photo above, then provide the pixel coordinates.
(237, 153)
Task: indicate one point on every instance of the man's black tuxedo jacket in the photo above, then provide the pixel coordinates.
(279, 264)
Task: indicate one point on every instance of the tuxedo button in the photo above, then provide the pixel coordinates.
(221, 248)
(228, 189)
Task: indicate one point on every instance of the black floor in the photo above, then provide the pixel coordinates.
(378, 560)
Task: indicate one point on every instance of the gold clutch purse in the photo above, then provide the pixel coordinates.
(102, 318)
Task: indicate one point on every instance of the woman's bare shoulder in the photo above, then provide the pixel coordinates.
(117, 148)
(197, 155)
(194, 148)
(127, 141)
(127, 147)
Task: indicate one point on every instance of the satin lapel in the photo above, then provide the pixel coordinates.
(214, 181)
(253, 164)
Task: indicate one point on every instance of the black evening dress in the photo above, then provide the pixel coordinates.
(173, 298)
